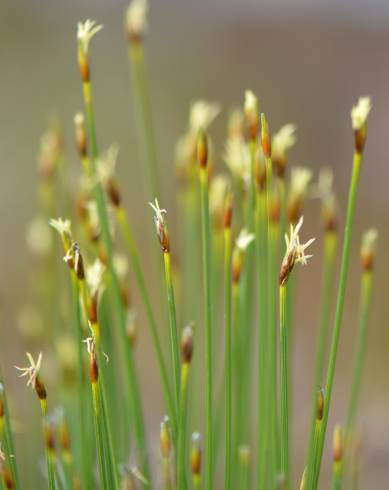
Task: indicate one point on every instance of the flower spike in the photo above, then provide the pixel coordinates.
(295, 252)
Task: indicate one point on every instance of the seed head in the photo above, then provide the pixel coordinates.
(136, 19)
(217, 193)
(295, 252)
(251, 112)
(187, 344)
(196, 454)
(299, 182)
(80, 134)
(237, 158)
(359, 114)
(282, 142)
(324, 191)
(202, 114)
(338, 444)
(160, 226)
(265, 137)
(369, 249)
(202, 148)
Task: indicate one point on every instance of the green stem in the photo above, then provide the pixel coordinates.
(173, 327)
(336, 483)
(330, 246)
(261, 250)
(132, 380)
(50, 454)
(143, 115)
(6, 430)
(207, 269)
(284, 379)
(137, 269)
(366, 289)
(227, 355)
(340, 303)
(83, 398)
(181, 433)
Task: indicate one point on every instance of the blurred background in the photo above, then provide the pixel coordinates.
(308, 62)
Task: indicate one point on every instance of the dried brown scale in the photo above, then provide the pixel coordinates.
(337, 446)
(113, 193)
(330, 223)
(236, 266)
(40, 389)
(7, 478)
(294, 210)
(367, 262)
(64, 438)
(83, 64)
(49, 434)
(93, 368)
(165, 441)
(134, 38)
(92, 309)
(279, 166)
(78, 263)
(187, 346)
(227, 217)
(360, 140)
(266, 145)
(260, 174)
(195, 460)
(81, 140)
(286, 268)
(125, 295)
(202, 149)
(320, 405)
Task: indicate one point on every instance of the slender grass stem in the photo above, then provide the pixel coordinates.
(49, 448)
(181, 480)
(207, 271)
(340, 302)
(366, 290)
(228, 345)
(173, 327)
(330, 246)
(144, 122)
(137, 268)
(127, 350)
(284, 379)
(261, 251)
(6, 435)
(83, 398)
(272, 241)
